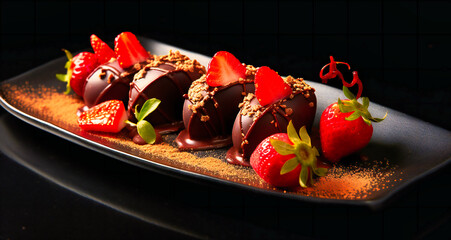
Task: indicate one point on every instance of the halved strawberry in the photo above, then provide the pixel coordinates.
(78, 69)
(269, 86)
(109, 116)
(103, 52)
(223, 69)
(129, 50)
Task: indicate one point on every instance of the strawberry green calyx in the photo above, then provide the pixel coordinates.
(66, 77)
(358, 109)
(145, 129)
(303, 152)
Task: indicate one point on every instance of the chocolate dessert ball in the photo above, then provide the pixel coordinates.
(108, 82)
(209, 113)
(167, 78)
(254, 122)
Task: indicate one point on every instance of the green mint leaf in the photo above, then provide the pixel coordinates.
(148, 107)
(146, 131)
(348, 93)
(289, 166)
(303, 177)
(353, 116)
(292, 135)
(282, 147)
(304, 136)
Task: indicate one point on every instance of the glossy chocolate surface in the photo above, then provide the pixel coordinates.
(220, 110)
(167, 84)
(106, 83)
(248, 133)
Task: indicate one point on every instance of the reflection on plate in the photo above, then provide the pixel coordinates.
(403, 149)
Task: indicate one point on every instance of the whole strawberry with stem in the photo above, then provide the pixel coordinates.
(78, 69)
(287, 159)
(346, 125)
(81, 66)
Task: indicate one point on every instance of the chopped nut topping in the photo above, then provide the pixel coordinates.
(102, 74)
(110, 78)
(298, 86)
(288, 111)
(180, 61)
(200, 91)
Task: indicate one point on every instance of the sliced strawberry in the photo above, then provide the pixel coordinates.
(82, 65)
(269, 86)
(109, 116)
(103, 52)
(223, 69)
(129, 50)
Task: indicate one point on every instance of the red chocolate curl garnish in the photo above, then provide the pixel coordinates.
(334, 72)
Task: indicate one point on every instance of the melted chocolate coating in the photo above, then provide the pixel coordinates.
(166, 84)
(105, 83)
(221, 108)
(247, 133)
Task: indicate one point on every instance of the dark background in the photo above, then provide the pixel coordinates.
(401, 50)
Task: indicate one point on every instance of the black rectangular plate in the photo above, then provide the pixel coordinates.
(415, 147)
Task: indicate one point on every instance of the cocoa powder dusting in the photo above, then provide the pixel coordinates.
(342, 182)
(45, 103)
(358, 181)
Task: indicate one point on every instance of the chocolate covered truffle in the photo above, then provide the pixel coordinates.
(255, 122)
(209, 112)
(166, 78)
(108, 82)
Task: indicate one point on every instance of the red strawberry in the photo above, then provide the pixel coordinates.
(78, 69)
(345, 127)
(109, 116)
(129, 50)
(269, 86)
(103, 52)
(286, 160)
(223, 69)
(82, 65)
